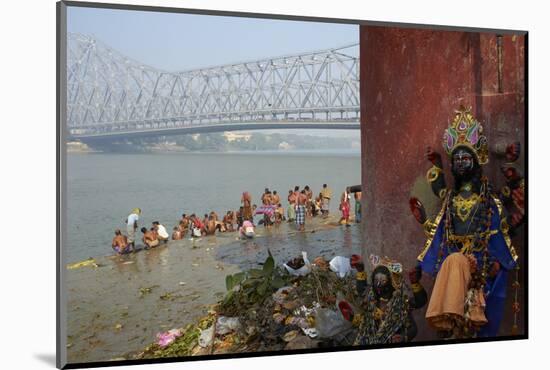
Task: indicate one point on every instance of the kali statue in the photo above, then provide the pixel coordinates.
(389, 303)
(468, 247)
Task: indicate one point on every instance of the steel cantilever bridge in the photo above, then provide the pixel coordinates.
(111, 96)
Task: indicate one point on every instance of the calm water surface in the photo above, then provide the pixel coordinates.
(103, 188)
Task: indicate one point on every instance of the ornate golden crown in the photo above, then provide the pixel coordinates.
(466, 131)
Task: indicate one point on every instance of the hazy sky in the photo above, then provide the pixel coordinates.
(176, 42)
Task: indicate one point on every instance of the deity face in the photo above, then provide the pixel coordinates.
(381, 282)
(463, 161)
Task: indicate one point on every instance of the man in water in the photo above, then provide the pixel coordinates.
(279, 214)
(210, 225)
(177, 234)
(120, 243)
(309, 195)
(357, 196)
(291, 210)
(228, 221)
(247, 230)
(275, 198)
(301, 211)
(240, 216)
(149, 238)
(131, 226)
(161, 232)
(184, 224)
(326, 194)
(198, 228)
(246, 201)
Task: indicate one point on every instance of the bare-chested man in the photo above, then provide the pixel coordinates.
(275, 198)
(120, 243)
(228, 221)
(184, 224)
(266, 197)
(149, 238)
(177, 234)
(210, 226)
(301, 211)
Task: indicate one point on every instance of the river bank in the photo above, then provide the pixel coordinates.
(121, 305)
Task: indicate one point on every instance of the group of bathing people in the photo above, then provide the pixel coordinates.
(301, 204)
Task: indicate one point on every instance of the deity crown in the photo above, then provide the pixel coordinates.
(466, 131)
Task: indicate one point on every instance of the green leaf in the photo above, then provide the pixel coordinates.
(228, 297)
(256, 273)
(268, 266)
(278, 282)
(229, 284)
(238, 278)
(262, 288)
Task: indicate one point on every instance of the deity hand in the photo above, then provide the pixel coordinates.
(512, 152)
(510, 173)
(434, 157)
(415, 274)
(417, 209)
(514, 194)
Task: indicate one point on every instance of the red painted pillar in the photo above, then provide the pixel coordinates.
(411, 82)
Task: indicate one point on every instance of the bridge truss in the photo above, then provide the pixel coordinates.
(110, 94)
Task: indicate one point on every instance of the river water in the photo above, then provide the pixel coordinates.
(102, 188)
(107, 313)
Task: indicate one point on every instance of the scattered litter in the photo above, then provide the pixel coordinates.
(206, 337)
(298, 266)
(340, 265)
(275, 307)
(330, 323)
(225, 325)
(288, 337)
(146, 290)
(166, 338)
(89, 262)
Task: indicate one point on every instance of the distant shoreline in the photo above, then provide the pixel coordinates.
(337, 152)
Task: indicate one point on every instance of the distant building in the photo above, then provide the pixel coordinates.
(285, 146)
(232, 136)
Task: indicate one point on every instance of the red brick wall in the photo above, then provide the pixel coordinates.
(411, 83)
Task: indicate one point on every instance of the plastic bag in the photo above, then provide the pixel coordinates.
(302, 271)
(330, 323)
(225, 325)
(206, 337)
(340, 265)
